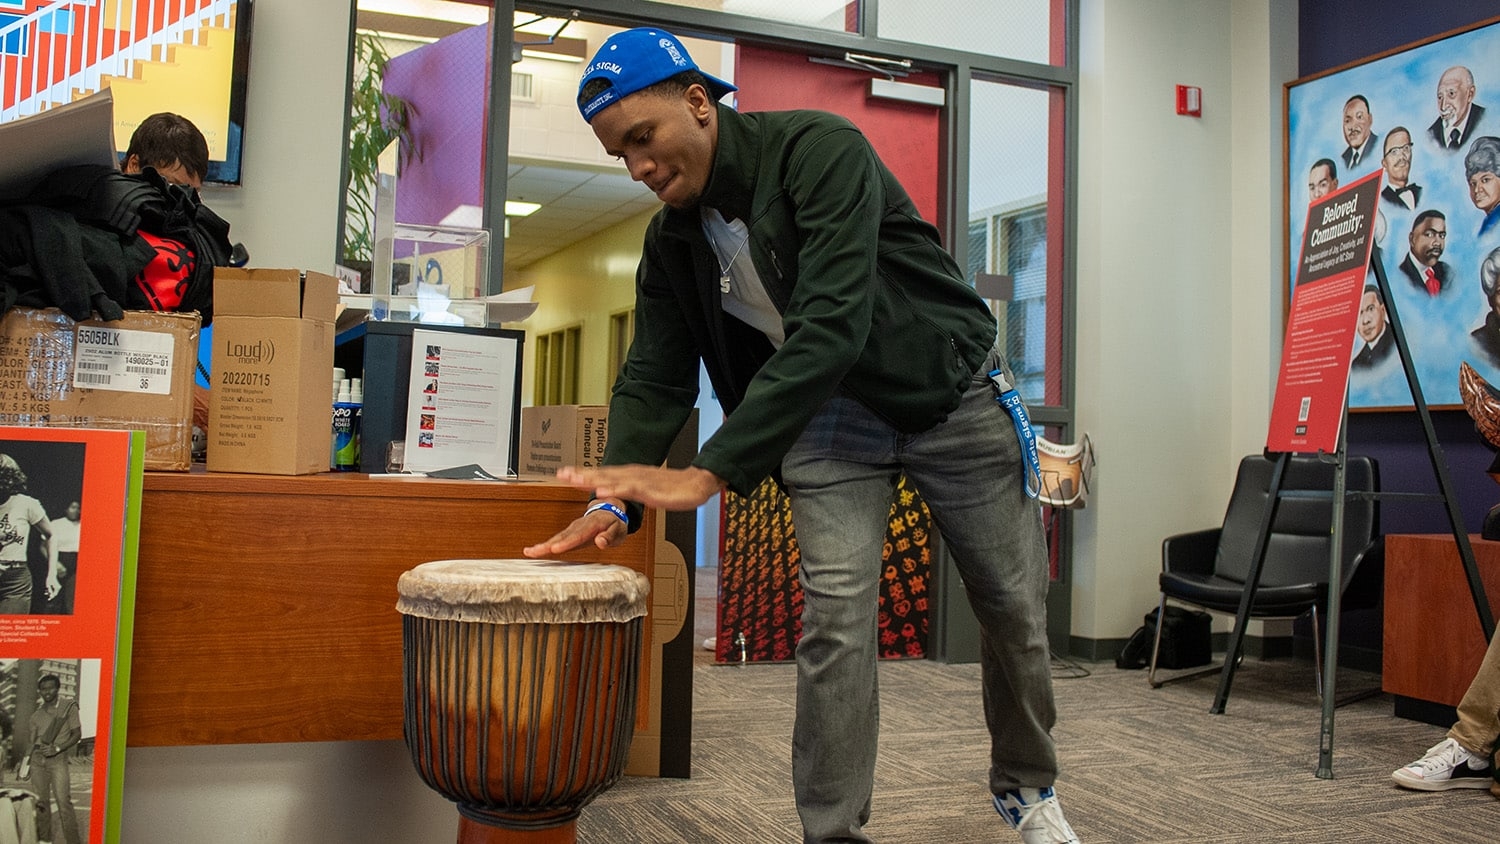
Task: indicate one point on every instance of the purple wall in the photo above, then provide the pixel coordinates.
(448, 84)
(1336, 32)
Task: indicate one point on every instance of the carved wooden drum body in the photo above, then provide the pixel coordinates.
(520, 681)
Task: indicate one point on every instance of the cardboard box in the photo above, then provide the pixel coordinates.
(270, 410)
(553, 436)
(135, 374)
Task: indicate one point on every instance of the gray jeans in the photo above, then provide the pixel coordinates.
(839, 476)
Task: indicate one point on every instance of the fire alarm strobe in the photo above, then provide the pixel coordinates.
(1190, 100)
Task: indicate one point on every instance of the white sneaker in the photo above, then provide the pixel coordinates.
(1446, 765)
(1036, 814)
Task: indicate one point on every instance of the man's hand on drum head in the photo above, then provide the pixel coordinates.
(602, 527)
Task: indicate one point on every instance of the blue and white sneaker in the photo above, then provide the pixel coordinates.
(1447, 765)
(1036, 814)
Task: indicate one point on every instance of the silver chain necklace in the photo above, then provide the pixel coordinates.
(718, 253)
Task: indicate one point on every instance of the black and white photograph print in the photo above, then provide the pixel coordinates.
(49, 719)
(41, 513)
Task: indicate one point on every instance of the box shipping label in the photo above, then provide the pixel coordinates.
(123, 359)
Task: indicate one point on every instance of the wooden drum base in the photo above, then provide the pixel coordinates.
(471, 831)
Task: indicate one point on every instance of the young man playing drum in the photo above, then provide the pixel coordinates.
(846, 348)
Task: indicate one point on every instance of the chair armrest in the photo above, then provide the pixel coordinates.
(1364, 577)
(1190, 553)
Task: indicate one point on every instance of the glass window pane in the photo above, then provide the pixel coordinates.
(837, 15)
(979, 247)
(423, 77)
(1028, 30)
(1015, 210)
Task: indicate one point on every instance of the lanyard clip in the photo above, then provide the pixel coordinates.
(1006, 395)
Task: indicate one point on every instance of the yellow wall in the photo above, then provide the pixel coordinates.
(583, 285)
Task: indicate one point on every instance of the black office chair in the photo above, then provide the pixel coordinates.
(1209, 568)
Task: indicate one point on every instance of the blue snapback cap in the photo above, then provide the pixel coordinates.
(636, 59)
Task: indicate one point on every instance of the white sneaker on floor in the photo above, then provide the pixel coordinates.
(1446, 765)
(1036, 814)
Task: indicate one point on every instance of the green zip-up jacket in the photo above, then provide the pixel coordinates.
(871, 303)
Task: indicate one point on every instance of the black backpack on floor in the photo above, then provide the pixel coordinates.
(1186, 641)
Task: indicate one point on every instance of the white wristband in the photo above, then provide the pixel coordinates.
(605, 505)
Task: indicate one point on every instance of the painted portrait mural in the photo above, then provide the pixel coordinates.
(1428, 116)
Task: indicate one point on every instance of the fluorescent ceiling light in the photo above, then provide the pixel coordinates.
(468, 216)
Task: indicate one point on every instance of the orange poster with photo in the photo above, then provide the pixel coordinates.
(69, 517)
(1312, 385)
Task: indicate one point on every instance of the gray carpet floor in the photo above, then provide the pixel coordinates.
(1139, 764)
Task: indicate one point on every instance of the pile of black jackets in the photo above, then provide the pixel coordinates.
(74, 242)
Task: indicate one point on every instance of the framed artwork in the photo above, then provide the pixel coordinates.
(52, 51)
(1428, 115)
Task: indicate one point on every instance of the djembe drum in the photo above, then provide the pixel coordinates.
(520, 680)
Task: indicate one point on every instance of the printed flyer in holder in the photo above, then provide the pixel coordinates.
(69, 526)
(463, 402)
(1312, 386)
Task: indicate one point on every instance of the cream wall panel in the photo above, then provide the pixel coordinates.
(1179, 314)
(286, 213)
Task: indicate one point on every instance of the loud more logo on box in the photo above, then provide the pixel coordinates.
(258, 354)
(261, 352)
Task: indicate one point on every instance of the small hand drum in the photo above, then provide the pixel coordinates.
(520, 680)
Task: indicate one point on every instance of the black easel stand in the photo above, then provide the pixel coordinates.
(1339, 497)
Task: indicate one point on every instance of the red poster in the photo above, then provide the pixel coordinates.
(1314, 378)
(69, 522)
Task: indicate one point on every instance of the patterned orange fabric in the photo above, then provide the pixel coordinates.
(760, 596)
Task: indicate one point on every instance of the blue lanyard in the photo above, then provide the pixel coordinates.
(1009, 399)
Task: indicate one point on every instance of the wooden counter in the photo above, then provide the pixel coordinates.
(1433, 643)
(266, 605)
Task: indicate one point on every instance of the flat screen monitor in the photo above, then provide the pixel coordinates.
(190, 57)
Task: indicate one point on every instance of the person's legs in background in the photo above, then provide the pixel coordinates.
(52, 780)
(1466, 757)
(69, 561)
(41, 781)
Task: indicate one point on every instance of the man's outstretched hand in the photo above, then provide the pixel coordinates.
(653, 486)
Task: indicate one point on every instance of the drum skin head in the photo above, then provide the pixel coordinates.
(523, 592)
